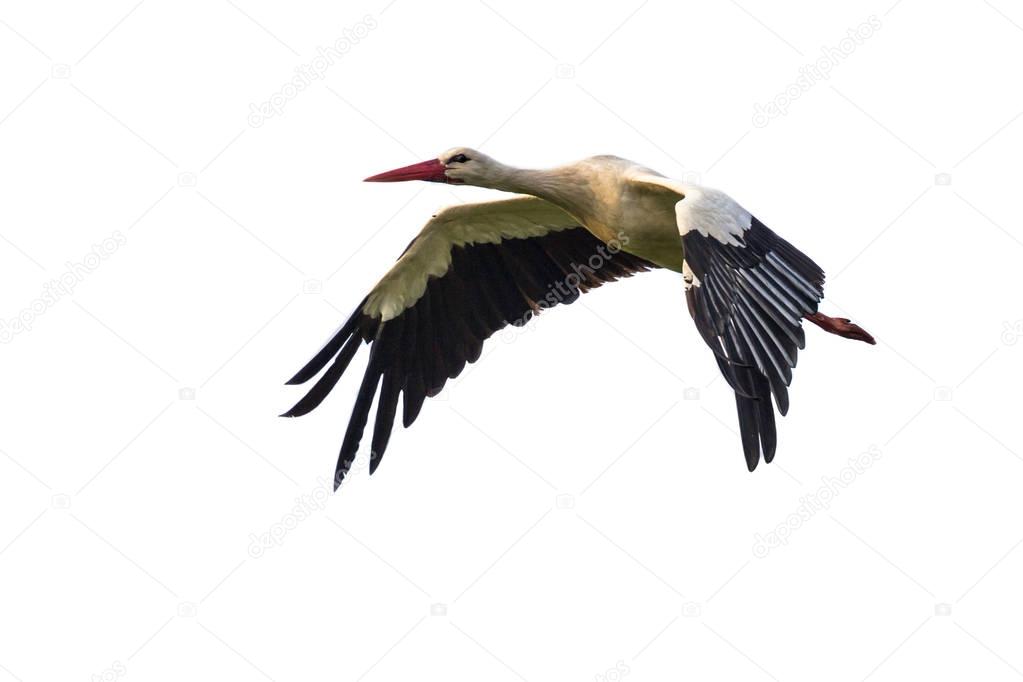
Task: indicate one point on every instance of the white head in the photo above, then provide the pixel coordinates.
(457, 166)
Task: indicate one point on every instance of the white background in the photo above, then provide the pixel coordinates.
(560, 512)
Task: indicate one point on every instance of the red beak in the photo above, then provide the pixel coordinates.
(432, 171)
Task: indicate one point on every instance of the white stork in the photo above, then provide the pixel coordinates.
(476, 268)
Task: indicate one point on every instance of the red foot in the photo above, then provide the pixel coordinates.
(841, 326)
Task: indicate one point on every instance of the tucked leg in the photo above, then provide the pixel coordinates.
(841, 326)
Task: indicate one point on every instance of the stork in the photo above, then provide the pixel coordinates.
(475, 268)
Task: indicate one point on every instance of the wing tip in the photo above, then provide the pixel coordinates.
(374, 461)
(344, 465)
(757, 428)
(301, 408)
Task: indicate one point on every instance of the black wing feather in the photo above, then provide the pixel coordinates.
(748, 302)
(320, 360)
(486, 287)
(321, 388)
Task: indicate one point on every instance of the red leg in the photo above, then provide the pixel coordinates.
(841, 326)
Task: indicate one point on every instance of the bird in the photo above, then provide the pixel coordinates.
(475, 268)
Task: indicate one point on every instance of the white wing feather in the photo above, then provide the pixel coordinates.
(709, 211)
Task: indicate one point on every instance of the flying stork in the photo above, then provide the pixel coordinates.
(475, 268)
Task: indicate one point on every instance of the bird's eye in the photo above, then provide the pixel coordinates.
(458, 158)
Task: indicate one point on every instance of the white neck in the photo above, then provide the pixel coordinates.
(563, 186)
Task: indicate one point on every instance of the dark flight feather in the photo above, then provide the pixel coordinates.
(748, 302)
(486, 287)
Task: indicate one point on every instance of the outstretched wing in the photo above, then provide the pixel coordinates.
(471, 271)
(748, 290)
(748, 293)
